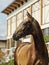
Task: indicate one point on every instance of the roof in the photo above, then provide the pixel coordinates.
(14, 5)
(3, 40)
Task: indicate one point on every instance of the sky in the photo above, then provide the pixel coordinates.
(3, 5)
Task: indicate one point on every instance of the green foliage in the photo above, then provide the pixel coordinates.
(11, 62)
(46, 38)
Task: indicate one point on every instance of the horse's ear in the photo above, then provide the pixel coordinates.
(29, 16)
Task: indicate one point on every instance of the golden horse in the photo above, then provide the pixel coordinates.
(30, 54)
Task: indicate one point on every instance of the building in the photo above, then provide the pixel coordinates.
(3, 44)
(47, 44)
(16, 13)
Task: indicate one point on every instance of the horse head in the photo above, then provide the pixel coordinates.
(25, 28)
(30, 27)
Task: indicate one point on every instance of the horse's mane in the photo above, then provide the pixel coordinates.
(39, 39)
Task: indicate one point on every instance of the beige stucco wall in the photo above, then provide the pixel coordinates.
(35, 14)
(2, 44)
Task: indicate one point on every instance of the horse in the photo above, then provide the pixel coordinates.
(36, 52)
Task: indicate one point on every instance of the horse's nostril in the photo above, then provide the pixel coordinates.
(14, 35)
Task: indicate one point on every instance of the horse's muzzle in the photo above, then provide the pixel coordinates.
(15, 37)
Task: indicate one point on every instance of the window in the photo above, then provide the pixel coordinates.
(8, 43)
(36, 11)
(46, 34)
(45, 11)
(13, 24)
(25, 12)
(8, 27)
(13, 43)
(35, 7)
(45, 2)
(46, 31)
(45, 14)
(19, 18)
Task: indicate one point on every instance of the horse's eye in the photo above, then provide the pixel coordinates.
(24, 24)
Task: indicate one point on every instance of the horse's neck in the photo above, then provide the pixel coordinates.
(33, 44)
